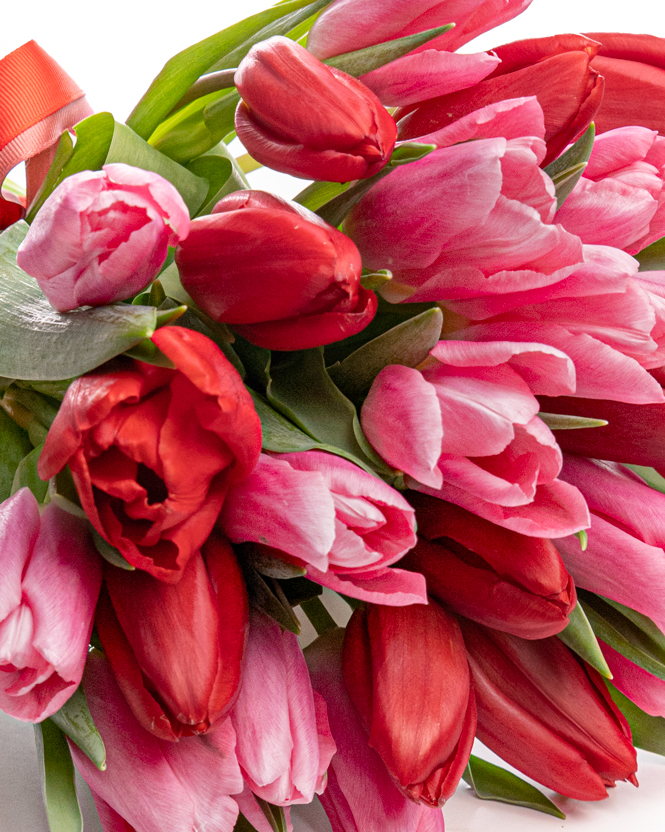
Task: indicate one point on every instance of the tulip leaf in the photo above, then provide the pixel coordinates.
(406, 344)
(26, 475)
(265, 564)
(274, 815)
(652, 258)
(628, 632)
(266, 594)
(318, 193)
(109, 552)
(648, 731)
(491, 782)
(567, 169)
(63, 154)
(223, 174)
(580, 638)
(318, 615)
(15, 448)
(57, 775)
(335, 210)
(372, 57)
(222, 50)
(560, 421)
(185, 135)
(583, 538)
(36, 342)
(298, 590)
(243, 825)
(75, 719)
(407, 152)
(375, 280)
(650, 476)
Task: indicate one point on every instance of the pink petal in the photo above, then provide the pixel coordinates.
(645, 690)
(394, 587)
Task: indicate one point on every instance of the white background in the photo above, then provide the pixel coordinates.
(113, 50)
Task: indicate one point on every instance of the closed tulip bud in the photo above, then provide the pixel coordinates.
(492, 575)
(406, 672)
(547, 713)
(278, 274)
(302, 117)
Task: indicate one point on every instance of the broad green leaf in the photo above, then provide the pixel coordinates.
(372, 57)
(650, 476)
(43, 408)
(223, 174)
(318, 615)
(652, 258)
(567, 169)
(57, 776)
(579, 636)
(318, 193)
(149, 353)
(629, 635)
(648, 731)
(335, 210)
(407, 344)
(36, 342)
(15, 446)
(219, 51)
(266, 594)
(492, 782)
(75, 719)
(26, 475)
(185, 135)
(407, 152)
(559, 421)
(63, 154)
(298, 590)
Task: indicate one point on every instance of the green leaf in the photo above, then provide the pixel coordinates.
(269, 565)
(628, 632)
(579, 636)
(567, 169)
(57, 776)
(266, 594)
(407, 152)
(185, 135)
(559, 421)
(36, 342)
(375, 280)
(274, 815)
(298, 590)
(650, 476)
(318, 193)
(243, 825)
(372, 57)
(652, 258)
(219, 51)
(648, 731)
(75, 719)
(407, 344)
(335, 210)
(15, 447)
(492, 782)
(44, 409)
(583, 538)
(223, 174)
(63, 154)
(26, 475)
(318, 615)
(109, 552)
(148, 352)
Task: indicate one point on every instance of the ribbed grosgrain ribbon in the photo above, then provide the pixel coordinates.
(38, 101)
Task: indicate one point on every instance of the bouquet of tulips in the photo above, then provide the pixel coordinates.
(431, 384)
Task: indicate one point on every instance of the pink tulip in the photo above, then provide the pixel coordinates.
(284, 744)
(640, 686)
(361, 795)
(151, 784)
(620, 199)
(50, 582)
(625, 556)
(102, 236)
(344, 525)
(465, 429)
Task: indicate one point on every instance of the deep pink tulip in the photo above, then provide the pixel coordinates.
(496, 577)
(302, 117)
(284, 744)
(277, 273)
(620, 199)
(465, 429)
(177, 649)
(51, 576)
(625, 556)
(361, 796)
(152, 785)
(344, 525)
(406, 672)
(546, 713)
(640, 686)
(102, 236)
(556, 69)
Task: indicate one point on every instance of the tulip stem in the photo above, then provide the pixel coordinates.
(319, 616)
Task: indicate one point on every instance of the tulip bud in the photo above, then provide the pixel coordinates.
(547, 713)
(302, 117)
(278, 274)
(406, 672)
(102, 236)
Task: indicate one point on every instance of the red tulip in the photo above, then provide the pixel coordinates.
(492, 575)
(278, 274)
(406, 672)
(176, 649)
(153, 451)
(556, 69)
(547, 713)
(302, 117)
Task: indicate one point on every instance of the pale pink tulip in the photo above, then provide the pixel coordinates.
(102, 236)
(625, 556)
(465, 428)
(284, 744)
(151, 784)
(361, 795)
(51, 576)
(343, 524)
(620, 199)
